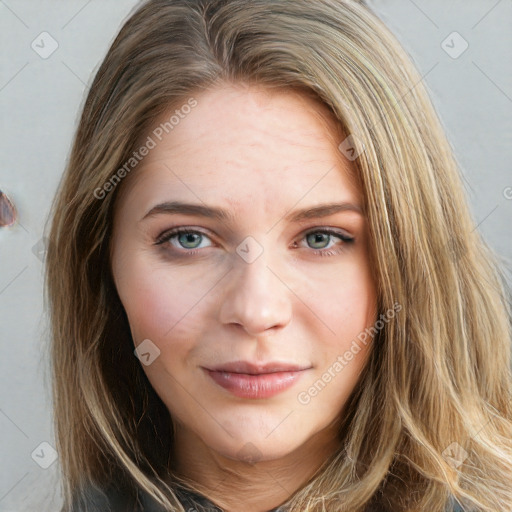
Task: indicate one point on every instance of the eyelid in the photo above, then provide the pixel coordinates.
(178, 230)
(330, 230)
(166, 235)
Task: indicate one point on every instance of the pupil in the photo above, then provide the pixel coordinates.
(189, 238)
(319, 238)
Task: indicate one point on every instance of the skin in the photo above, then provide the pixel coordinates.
(261, 156)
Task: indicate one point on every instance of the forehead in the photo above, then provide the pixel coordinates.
(240, 142)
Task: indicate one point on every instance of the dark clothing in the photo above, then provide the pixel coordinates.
(113, 500)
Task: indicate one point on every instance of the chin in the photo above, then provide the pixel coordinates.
(255, 444)
(254, 450)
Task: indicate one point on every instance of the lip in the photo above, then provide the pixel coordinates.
(252, 380)
(257, 368)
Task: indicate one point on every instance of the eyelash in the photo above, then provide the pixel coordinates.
(168, 235)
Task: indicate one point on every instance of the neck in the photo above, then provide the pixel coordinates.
(260, 486)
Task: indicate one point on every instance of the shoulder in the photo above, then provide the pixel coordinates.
(454, 506)
(95, 498)
(113, 498)
(451, 506)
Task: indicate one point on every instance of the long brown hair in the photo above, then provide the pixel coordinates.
(438, 381)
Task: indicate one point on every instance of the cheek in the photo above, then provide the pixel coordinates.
(346, 303)
(161, 304)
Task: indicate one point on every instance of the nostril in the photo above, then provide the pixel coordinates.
(7, 211)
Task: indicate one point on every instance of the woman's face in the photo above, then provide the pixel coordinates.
(245, 317)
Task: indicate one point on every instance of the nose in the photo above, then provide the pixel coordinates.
(256, 298)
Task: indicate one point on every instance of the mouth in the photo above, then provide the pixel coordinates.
(256, 381)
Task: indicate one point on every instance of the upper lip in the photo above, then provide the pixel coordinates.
(257, 368)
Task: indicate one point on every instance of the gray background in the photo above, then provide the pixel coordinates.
(39, 104)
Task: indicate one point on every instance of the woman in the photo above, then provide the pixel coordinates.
(266, 288)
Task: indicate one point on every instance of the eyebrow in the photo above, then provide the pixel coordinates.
(314, 212)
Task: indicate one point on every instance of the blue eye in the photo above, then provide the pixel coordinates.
(322, 240)
(189, 238)
(186, 238)
(318, 237)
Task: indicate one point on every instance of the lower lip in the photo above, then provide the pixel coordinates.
(263, 385)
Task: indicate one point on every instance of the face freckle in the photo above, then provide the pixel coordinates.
(232, 299)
